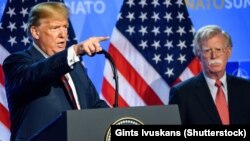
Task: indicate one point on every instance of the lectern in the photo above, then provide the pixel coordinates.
(93, 124)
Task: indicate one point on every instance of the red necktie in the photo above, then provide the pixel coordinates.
(69, 90)
(221, 104)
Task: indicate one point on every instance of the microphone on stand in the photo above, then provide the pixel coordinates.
(115, 76)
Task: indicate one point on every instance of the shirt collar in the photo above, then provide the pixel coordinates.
(39, 49)
(211, 82)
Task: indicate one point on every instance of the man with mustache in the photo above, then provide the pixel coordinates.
(213, 96)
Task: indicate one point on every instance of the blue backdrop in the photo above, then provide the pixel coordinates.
(98, 18)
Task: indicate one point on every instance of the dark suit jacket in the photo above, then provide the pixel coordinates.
(35, 93)
(196, 104)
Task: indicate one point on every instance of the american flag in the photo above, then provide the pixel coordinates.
(152, 48)
(13, 37)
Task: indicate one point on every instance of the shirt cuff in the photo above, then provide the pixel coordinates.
(72, 57)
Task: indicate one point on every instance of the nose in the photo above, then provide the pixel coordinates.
(214, 53)
(63, 32)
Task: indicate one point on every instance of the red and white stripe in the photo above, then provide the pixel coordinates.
(139, 83)
(4, 112)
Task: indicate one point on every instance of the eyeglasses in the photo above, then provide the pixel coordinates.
(219, 51)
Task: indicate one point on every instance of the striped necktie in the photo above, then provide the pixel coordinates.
(69, 91)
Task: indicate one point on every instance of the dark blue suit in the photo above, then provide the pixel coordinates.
(196, 104)
(35, 93)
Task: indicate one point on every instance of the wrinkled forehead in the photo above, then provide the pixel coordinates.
(218, 38)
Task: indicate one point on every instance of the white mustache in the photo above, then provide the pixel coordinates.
(215, 62)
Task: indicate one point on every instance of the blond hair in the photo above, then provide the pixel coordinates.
(46, 10)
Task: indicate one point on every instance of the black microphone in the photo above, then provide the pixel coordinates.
(115, 76)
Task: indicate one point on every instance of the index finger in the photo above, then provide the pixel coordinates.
(102, 38)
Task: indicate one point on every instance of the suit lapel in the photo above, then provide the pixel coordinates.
(204, 96)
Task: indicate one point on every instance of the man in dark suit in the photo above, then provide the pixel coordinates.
(35, 92)
(200, 98)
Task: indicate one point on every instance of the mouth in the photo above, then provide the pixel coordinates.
(61, 44)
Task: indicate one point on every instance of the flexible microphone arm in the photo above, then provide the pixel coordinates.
(115, 77)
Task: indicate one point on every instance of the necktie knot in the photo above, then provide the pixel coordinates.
(218, 83)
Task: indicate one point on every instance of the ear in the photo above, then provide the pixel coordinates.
(34, 32)
(229, 53)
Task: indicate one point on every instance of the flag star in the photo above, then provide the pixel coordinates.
(12, 40)
(179, 3)
(143, 16)
(24, 26)
(155, 3)
(130, 16)
(156, 30)
(168, 16)
(24, 11)
(119, 16)
(130, 30)
(181, 30)
(169, 58)
(143, 30)
(169, 44)
(25, 40)
(68, 40)
(12, 26)
(155, 16)
(169, 72)
(2, 8)
(143, 3)
(157, 58)
(130, 3)
(143, 44)
(192, 45)
(11, 12)
(192, 30)
(167, 3)
(75, 39)
(156, 44)
(168, 30)
(1, 27)
(182, 44)
(180, 16)
(182, 58)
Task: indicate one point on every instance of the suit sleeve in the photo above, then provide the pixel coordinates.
(24, 73)
(176, 98)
